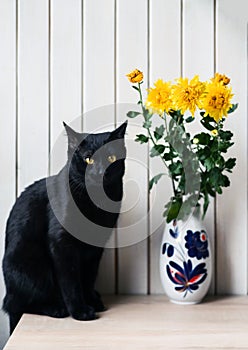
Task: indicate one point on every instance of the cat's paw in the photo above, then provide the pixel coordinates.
(86, 313)
(98, 305)
(59, 313)
(95, 301)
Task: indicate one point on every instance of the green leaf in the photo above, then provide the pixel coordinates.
(155, 180)
(220, 161)
(169, 156)
(219, 190)
(203, 138)
(133, 114)
(159, 132)
(230, 163)
(224, 145)
(217, 179)
(225, 135)
(189, 119)
(214, 145)
(203, 153)
(209, 163)
(141, 138)
(157, 150)
(135, 87)
(176, 168)
(233, 108)
(206, 122)
(207, 186)
(224, 181)
(177, 116)
(173, 210)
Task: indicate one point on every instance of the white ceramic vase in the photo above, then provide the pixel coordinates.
(185, 261)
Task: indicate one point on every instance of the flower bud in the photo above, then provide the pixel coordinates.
(136, 76)
(195, 140)
(214, 132)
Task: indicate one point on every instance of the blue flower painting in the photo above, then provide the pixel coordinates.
(169, 248)
(197, 244)
(186, 278)
(174, 232)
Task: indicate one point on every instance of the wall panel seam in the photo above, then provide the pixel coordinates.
(247, 164)
(181, 37)
(215, 199)
(17, 101)
(82, 64)
(49, 87)
(148, 161)
(116, 250)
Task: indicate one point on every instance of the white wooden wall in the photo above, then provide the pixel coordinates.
(60, 59)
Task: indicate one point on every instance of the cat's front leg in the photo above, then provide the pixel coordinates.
(90, 269)
(96, 302)
(67, 272)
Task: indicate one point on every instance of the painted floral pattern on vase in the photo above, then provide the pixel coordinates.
(180, 268)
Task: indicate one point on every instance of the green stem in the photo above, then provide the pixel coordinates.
(141, 97)
(154, 142)
(172, 180)
(149, 131)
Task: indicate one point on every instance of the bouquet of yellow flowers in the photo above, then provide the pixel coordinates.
(195, 163)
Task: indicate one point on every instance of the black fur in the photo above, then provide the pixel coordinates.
(47, 270)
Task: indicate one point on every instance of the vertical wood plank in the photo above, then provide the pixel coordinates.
(99, 52)
(66, 73)
(232, 19)
(131, 52)
(198, 58)
(99, 95)
(32, 91)
(7, 130)
(165, 55)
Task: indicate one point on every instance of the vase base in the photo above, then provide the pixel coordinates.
(184, 302)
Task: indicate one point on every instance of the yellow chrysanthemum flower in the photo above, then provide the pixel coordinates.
(159, 98)
(187, 95)
(217, 100)
(220, 78)
(136, 76)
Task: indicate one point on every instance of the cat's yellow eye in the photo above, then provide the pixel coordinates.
(89, 161)
(112, 158)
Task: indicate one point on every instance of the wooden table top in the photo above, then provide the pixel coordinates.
(141, 322)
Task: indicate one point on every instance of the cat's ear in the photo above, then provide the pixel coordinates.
(74, 137)
(119, 132)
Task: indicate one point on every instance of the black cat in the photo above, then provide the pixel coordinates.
(58, 227)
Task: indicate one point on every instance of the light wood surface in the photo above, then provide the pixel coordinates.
(141, 322)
